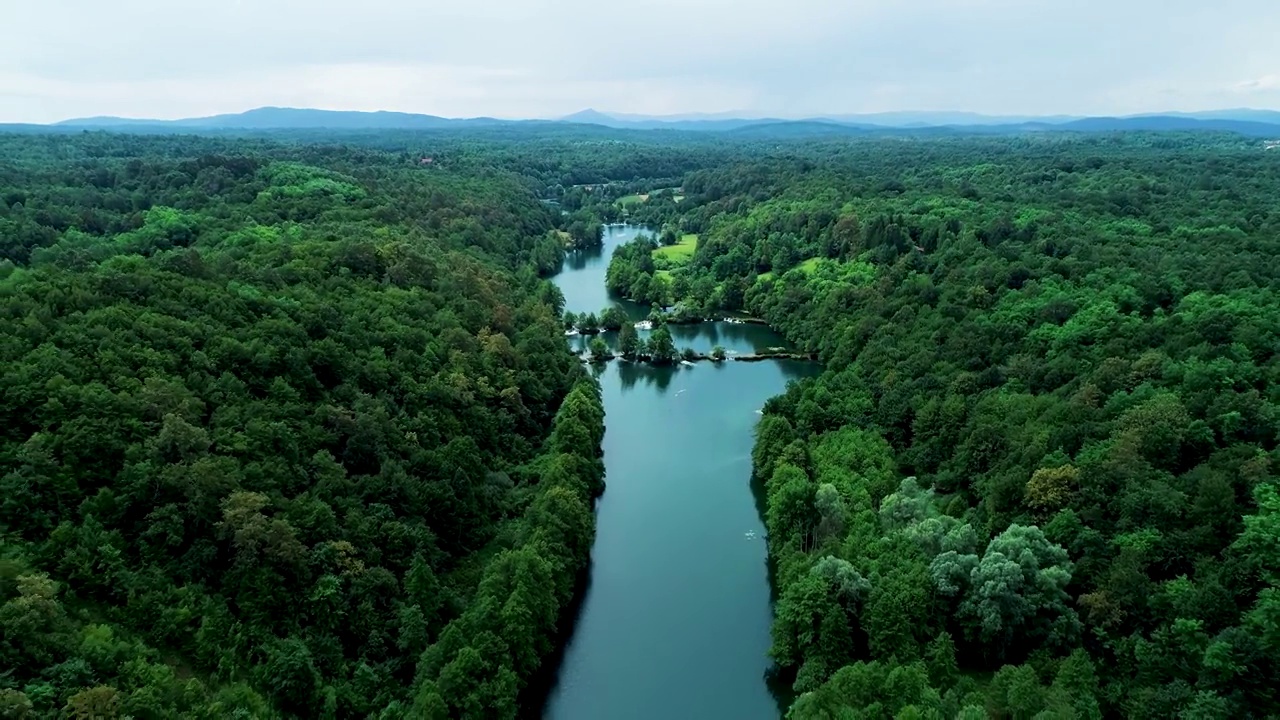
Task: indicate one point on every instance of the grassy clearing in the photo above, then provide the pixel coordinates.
(627, 200)
(681, 251)
(807, 266)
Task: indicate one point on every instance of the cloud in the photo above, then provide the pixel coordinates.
(1266, 82)
(170, 58)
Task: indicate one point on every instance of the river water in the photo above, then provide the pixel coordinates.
(675, 618)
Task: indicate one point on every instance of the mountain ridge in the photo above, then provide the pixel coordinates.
(1245, 121)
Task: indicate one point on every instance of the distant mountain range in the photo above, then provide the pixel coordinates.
(1244, 121)
(274, 118)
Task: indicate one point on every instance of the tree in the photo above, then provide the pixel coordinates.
(1016, 692)
(791, 514)
(656, 316)
(628, 341)
(613, 318)
(1018, 591)
(772, 434)
(718, 353)
(811, 631)
(33, 623)
(662, 349)
(600, 351)
(97, 703)
(1050, 488)
(908, 506)
(871, 689)
(940, 659)
(833, 516)
(290, 673)
(848, 585)
(15, 704)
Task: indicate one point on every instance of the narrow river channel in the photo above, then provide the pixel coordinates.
(675, 620)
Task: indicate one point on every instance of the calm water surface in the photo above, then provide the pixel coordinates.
(675, 619)
(582, 279)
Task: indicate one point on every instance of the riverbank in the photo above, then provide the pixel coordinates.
(673, 320)
(699, 357)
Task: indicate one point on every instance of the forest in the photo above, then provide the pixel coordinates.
(1035, 478)
(285, 431)
(288, 427)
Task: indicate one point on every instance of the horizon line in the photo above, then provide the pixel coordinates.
(686, 116)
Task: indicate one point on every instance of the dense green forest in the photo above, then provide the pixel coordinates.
(285, 430)
(288, 427)
(1035, 479)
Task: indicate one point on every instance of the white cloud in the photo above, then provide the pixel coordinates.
(171, 58)
(1266, 82)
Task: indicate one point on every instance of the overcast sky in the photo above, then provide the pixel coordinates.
(547, 58)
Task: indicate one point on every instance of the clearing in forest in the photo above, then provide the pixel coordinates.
(681, 251)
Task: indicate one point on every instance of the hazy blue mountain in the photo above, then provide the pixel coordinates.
(270, 118)
(589, 117)
(1170, 122)
(807, 129)
(1245, 114)
(932, 119)
(1267, 116)
(692, 122)
(109, 121)
(909, 119)
(729, 119)
(1256, 123)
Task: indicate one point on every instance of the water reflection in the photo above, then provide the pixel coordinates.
(675, 622)
(704, 337)
(576, 260)
(630, 374)
(582, 278)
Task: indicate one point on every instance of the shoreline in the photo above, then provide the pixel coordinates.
(648, 325)
(697, 358)
(586, 357)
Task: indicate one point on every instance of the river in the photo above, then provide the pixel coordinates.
(675, 618)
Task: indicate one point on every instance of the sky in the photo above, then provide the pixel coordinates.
(168, 59)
